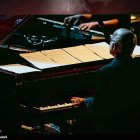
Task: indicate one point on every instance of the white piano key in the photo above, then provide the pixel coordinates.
(56, 107)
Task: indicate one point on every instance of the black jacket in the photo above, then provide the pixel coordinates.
(117, 102)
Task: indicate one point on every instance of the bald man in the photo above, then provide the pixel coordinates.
(117, 101)
(116, 107)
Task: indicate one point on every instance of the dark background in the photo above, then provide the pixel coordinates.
(61, 6)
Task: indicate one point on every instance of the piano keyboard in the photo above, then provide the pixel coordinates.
(57, 107)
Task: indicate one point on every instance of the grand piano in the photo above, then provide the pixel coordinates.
(43, 95)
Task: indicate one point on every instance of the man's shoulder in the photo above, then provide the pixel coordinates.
(106, 68)
(115, 66)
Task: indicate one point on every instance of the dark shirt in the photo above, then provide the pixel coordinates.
(124, 21)
(117, 101)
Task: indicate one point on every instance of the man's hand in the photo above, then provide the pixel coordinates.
(77, 19)
(88, 26)
(77, 100)
(73, 20)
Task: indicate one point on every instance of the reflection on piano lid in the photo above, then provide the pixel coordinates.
(39, 32)
(73, 28)
(66, 31)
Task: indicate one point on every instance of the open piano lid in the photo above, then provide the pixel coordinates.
(36, 33)
(9, 24)
(32, 33)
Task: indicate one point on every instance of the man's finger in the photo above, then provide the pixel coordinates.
(84, 28)
(66, 21)
(77, 22)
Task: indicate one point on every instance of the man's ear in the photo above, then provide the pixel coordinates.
(114, 46)
(113, 49)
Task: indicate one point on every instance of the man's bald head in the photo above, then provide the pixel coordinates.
(124, 40)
